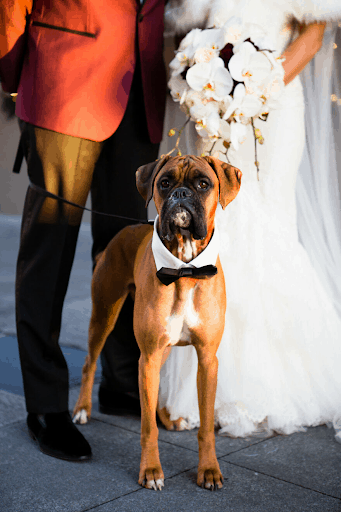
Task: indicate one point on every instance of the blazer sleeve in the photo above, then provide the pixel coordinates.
(14, 15)
(308, 11)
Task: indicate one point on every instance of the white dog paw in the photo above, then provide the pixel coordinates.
(81, 417)
(155, 484)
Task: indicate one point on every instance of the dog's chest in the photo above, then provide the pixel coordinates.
(180, 323)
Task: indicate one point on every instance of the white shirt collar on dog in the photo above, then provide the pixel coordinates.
(164, 258)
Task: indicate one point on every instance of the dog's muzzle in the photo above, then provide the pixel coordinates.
(182, 210)
(180, 216)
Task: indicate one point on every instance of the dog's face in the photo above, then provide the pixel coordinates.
(186, 191)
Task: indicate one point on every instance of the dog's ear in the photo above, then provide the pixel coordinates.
(145, 177)
(229, 179)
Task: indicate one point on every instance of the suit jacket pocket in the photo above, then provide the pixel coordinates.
(63, 29)
(73, 16)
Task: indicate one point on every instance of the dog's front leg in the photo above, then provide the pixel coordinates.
(151, 474)
(209, 475)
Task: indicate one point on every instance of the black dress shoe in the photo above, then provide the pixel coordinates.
(58, 437)
(115, 402)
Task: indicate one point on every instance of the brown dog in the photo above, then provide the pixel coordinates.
(190, 310)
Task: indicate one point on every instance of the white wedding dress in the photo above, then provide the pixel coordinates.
(280, 355)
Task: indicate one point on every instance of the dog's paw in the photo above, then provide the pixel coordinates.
(179, 424)
(210, 478)
(155, 484)
(81, 417)
(152, 479)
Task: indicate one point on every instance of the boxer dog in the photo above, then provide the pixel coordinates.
(180, 305)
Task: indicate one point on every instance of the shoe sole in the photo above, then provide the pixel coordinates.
(45, 451)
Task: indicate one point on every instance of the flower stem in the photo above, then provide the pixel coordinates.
(178, 138)
(212, 148)
(256, 159)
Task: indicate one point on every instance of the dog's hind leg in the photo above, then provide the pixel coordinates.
(162, 412)
(103, 319)
(110, 286)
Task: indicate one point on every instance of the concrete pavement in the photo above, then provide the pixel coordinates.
(297, 473)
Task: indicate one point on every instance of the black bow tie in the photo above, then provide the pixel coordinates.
(169, 275)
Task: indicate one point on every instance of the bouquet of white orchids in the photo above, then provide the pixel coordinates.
(225, 77)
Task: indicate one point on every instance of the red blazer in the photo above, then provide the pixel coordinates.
(74, 66)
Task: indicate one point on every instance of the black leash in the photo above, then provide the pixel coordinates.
(46, 193)
(16, 169)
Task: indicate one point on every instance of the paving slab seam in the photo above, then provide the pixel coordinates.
(282, 480)
(133, 492)
(245, 447)
(113, 425)
(110, 501)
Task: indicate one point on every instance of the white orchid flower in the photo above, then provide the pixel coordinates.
(250, 107)
(240, 61)
(210, 42)
(195, 98)
(271, 92)
(185, 53)
(244, 106)
(205, 55)
(238, 96)
(179, 64)
(213, 38)
(211, 77)
(238, 134)
(265, 78)
(206, 116)
(181, 61)
(204, 109)
(205, 43)
(191, 39)
(208, 127)
(259, 68)
(178, 88)
(261, 72)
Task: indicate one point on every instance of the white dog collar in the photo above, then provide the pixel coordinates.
(164, 258)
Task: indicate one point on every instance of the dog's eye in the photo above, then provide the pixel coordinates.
(164, 183)
(203, 184)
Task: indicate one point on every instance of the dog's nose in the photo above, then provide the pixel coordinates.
(181, 193)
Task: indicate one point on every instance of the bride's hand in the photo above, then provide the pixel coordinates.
(302, 50)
